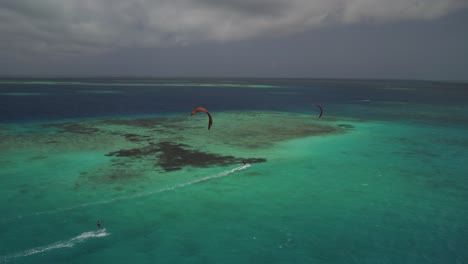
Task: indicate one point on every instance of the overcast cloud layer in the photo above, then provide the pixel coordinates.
(67, 27)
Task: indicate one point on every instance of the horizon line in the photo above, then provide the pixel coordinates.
(230, 77)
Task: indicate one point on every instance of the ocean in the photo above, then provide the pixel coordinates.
(381, 177)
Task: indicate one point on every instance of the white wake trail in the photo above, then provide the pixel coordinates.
(60, 244)
(203, 179)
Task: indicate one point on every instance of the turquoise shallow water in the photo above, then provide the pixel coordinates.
(382, 189)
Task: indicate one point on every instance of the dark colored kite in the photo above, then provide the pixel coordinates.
(321, 110)
(194, 111)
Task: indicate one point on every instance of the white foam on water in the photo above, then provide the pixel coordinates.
(181, 185)
(60, 244)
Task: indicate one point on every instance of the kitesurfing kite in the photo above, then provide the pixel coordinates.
(194, 111)
(321, 110)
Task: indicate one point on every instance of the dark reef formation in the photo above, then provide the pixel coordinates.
(173, 156)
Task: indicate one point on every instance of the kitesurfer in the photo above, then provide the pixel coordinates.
(244, 161)
(99, 224)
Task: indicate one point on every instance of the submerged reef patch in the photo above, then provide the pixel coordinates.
(135, 149)
(173, 156)
(346, 126)
(140, 122)
(135, 138)
(78, 128)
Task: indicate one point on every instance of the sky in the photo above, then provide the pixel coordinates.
(381, 39)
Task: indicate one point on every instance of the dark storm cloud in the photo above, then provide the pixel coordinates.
(259, 7)
(64, 27)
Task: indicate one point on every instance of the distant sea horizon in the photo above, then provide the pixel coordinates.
(86, 76)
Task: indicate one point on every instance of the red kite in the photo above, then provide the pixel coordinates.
(194, 111)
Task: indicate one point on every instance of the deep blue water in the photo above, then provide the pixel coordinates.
(54, 101)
